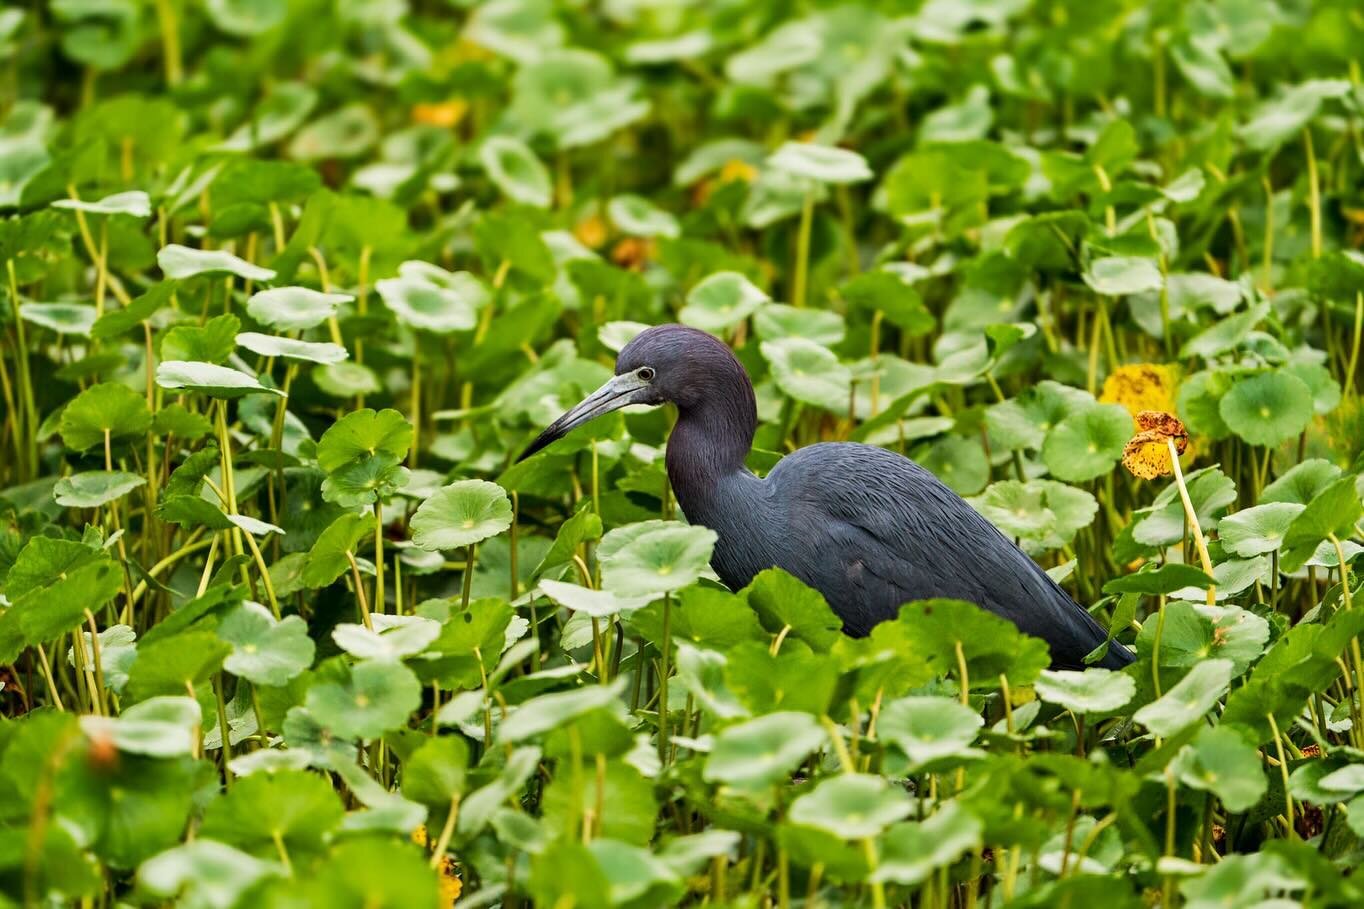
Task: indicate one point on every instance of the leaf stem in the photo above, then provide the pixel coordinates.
(1193, 520)
(807, 213)
(663, 671)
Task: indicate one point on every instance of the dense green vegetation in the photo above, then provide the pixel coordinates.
(286, 286)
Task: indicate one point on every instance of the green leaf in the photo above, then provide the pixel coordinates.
(550, 711)
(133, 203)
(63, 318)
(95, 488)
(158, 727)
(371, 698)
(265, 651)
(784, 604)
(109, 407)
(295, 807)
(117, 649)
(1194, 632)
(294, 308)
(43, 613)
(1187, 702)
(290, 349)
(180, 262)
(436, 772)
(1279, 119)
(779, 320)
(720, 301)
(1268, 409)
(595, 603)
(1091, 691)
(757, 753)
(515, 169)
(211, 379)
(1041, 514)
(929, 729)
(426, 297)
(328, 558)
(364, 481)
(44, 561)
(480, 804)
(212, 342)
(992, 646)
(348, 132)
(362, 434)
(665, 557)
(347, 380)
(1088, 443)
(960, 464)
(1225, 335)
(583, 527)
(376, 872)
(176, 420)
(284, 108)
(1257, 530)
(851, 806)
(637, 216)
(1153, 580)
(1118, 276)
(461, 514)
(887, 293)
(171, 664)
(1209, 489)
(820, 163)
(911, 851)
(204, 873)
(1334, 511)
(397, 636)
(809, 373)
(791, 679)
(1220, 761)
(115, 322)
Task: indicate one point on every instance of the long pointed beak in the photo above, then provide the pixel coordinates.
(614, 395)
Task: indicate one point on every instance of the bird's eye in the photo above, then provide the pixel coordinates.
(646, 373)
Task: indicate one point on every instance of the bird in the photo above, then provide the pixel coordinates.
(865, 526)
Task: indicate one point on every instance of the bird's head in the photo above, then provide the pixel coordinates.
(664, 364)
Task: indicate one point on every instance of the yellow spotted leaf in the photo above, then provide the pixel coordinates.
(450, 884)
(1147, 454)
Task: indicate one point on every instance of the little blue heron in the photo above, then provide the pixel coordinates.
(866, 527)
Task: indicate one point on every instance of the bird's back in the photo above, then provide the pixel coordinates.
(872, 530)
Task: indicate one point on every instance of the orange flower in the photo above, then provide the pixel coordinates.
(1147, 454)
(633, 252)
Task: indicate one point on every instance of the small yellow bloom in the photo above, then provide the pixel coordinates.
(450, 884)
(446, 114)
(738, 169)
(1142, 386)
(591, 231)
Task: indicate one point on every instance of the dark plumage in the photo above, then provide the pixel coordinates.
(866, 527)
